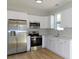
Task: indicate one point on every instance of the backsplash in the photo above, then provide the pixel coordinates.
(67, 32)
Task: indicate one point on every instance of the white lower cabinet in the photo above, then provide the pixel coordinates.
(28, 43)
(59, 46)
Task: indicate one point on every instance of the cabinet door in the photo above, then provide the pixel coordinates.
(43, 41)
(45, 23)
(28, 43)
(60, 45)
(57, 46)
(54, 44)
(66, 49)
(48, 44)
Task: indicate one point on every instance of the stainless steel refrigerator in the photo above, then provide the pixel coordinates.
(17, 35)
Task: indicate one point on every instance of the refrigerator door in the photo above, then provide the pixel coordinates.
(12, 25)
(21, 41)
(16, 36)
(12, 45)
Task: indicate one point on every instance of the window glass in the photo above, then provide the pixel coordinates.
(59, 17)
(58, 20)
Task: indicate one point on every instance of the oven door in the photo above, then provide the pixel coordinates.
(36, 42)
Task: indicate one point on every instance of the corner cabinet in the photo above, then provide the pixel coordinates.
(61, 47)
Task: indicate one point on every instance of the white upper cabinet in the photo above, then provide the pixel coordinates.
(52, 20)
(45, 23)
(43, 20)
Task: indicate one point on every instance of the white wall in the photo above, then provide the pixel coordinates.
(66, 16)
(66, 12)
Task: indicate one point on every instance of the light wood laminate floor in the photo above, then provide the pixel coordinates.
(39, 54)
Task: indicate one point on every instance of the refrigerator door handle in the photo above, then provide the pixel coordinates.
(12, 33)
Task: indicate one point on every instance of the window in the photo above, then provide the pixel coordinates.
(58, 21)
(58, 17)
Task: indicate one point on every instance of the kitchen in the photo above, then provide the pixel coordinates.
(51, 30)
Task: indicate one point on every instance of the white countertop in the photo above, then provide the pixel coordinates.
(62, 37)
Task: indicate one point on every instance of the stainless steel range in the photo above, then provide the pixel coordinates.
(35, 40)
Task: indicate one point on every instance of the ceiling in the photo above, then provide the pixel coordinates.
(31, 7)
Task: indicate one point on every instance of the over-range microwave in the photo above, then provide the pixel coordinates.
(34, 25)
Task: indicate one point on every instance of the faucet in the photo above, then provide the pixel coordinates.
(57, 33)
